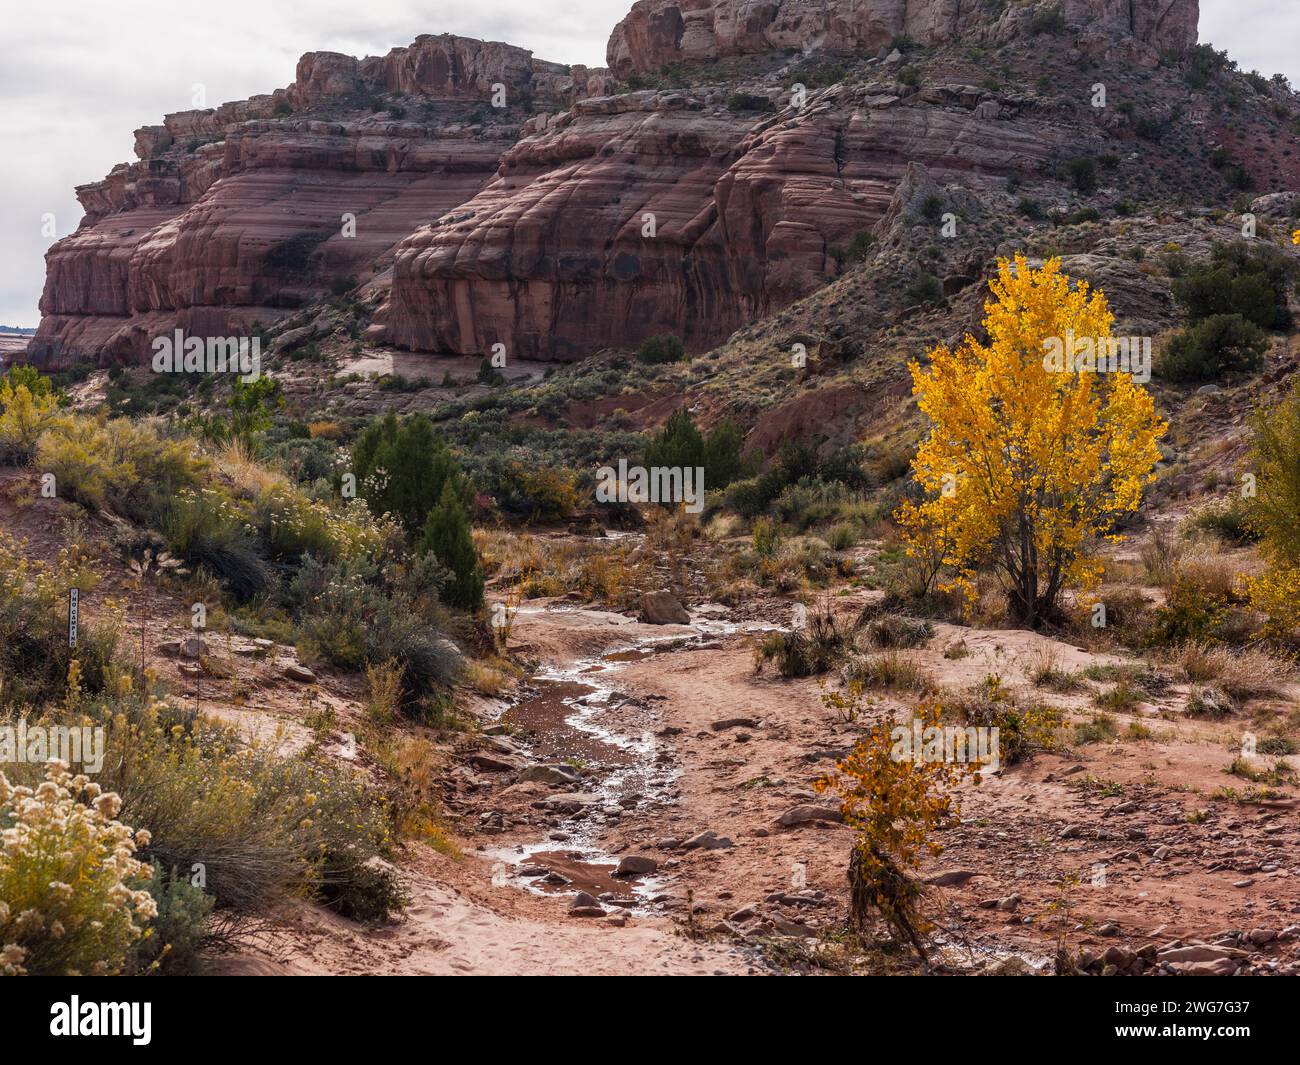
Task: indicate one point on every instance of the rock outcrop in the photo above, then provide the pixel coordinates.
(235, 215)
(497, 199)
(657, 212)
(656, 32)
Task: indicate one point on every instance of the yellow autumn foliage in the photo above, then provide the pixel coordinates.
(895, 807)
(24, 416)
(1274, 514)
(1028, 466)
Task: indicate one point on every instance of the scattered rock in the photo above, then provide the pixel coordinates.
(586, 905)
(733, 722)
(549, 774)
(636, 865)
(799, 815)
(1200, 952)
(707, 840)
(300, 673)
(951, 877)
(492, 762)
(662, 608)
(1219, 967)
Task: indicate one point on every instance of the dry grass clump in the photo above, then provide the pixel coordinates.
(1160, 556)
(806, 651)
(895, 631)
(610, 572)
(1210, 703)
(1243, 673)
(1100, 728)
(723, 527)
(1043, 668)
(890, 670)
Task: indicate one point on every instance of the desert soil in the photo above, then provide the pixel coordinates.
(641, 738)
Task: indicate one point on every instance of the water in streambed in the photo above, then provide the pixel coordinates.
(576, 716)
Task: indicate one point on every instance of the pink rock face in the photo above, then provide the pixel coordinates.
(614, 219)
(558, 256)
(236, 215)
(656, 32)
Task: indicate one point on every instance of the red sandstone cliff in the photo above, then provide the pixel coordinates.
(615, 217)
(235, 215)
(656, 32)
(554, 259)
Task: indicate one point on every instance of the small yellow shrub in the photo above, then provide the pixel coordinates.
(71, 900)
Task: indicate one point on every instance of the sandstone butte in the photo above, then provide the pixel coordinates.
(584, 213)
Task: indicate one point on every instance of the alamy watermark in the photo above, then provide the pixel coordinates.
(657, 484)
(72, 744)
(919, 743)
(1071, 354)
(181, 354)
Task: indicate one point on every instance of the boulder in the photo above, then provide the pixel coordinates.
(662, 608)
(802, 815)
(636, 865)
(707, 840)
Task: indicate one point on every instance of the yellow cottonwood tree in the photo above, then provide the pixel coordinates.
(1028, 465)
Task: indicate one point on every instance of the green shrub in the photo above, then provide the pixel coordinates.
(35, 660)
(1224, 343)
(1021, 730)
(206, 529)
(1191, 613)
(748, 101)
(680, 445)
(401, 466)
(925, 288)
(1082, 173)
(1229, 520)
(177, 933)
(661, 349)
(1246, 279)
(350, 615)
(447, 537)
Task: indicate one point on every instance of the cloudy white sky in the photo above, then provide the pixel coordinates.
(78, 76)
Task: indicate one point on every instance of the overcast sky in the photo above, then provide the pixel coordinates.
(77, 77)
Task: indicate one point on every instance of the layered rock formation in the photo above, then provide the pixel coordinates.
(615, 217)
(658, 212)
(235, 215)
(656, 32)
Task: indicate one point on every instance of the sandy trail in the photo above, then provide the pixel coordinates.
(713, 746)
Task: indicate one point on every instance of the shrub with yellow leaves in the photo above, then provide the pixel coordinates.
(1028, 465)
(24, 416)
(894, 806)
(72, 896)
(1274, 514)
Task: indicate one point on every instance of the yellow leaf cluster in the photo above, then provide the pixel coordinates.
(1027, 465)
